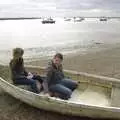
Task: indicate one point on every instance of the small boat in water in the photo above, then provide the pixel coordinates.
(103, 19)
(48, 20)
(95, 97)
(67, 19)
(79, 19)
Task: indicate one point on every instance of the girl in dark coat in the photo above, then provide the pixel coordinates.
(19, 75)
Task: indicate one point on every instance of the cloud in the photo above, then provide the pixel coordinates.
(90, 7)
(88, 4)
(59, 7)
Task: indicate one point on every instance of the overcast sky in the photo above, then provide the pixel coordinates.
(13, 8)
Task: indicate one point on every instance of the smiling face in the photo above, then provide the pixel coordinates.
(57, 61)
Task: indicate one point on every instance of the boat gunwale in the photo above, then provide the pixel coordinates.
(98, 78)
(84, 74)
(52, 99)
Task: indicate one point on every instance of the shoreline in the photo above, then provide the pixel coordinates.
(104, 62)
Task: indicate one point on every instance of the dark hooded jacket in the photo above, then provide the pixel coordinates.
(54, 75)
(17, 69)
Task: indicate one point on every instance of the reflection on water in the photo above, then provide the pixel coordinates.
(45, 39)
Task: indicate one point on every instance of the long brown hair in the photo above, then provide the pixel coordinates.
(18, 52)
(17, 56)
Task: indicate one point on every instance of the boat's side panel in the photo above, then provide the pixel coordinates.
(57, 105)
(83, 77)
(115, 96)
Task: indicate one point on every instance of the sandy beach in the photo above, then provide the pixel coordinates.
(104, 62)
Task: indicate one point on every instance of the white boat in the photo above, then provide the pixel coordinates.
(103, 19)
(78, 19)
(67, 19)
(96, 96)
(48, 21)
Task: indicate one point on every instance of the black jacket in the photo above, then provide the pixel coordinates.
(54, 75)
(17, 69)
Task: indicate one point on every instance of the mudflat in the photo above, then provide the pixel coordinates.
(104, 62)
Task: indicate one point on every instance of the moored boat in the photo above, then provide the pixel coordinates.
(96, 96)
(67, 19)
(79, 19)
(47, 21)
(103, 19)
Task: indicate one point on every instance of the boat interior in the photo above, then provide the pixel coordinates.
(92, 90)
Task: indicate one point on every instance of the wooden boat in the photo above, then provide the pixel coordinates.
(96, 96)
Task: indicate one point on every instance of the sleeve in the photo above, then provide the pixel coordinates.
(49, 73)
(61, 68)
(25, 72)
(14, 72)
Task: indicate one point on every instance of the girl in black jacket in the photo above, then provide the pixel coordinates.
(19, 75)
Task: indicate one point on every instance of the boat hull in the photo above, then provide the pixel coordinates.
(48, 22)
(61, 106)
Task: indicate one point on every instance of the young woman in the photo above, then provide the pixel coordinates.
(20, 76)
(56, 83)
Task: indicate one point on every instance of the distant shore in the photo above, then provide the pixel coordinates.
(17, 18)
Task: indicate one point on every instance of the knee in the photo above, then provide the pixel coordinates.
(67, 94)
(75, 85)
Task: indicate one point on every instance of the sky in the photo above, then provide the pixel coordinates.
(33, 8)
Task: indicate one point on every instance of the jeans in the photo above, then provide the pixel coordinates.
(31, 82)
(37, 77)
(69, 83)
(64, 88)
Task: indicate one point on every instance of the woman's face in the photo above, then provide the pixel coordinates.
(57, 61)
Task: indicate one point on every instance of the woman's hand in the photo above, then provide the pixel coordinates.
(30, 75)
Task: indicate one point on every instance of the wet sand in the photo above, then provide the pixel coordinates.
(105, 62)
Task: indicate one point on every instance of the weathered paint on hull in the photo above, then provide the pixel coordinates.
(62, 106)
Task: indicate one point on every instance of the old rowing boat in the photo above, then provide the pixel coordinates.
(96, 96)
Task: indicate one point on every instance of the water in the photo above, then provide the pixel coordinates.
(44, 40)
